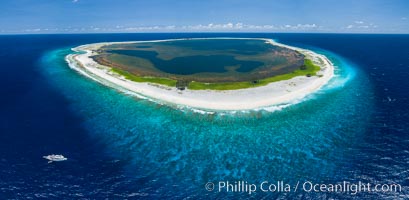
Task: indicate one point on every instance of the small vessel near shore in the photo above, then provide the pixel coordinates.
(54, 157)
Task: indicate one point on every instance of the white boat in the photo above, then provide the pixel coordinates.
(54, 157)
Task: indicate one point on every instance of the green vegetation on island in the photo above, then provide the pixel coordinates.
(308, 69)
(157, 80)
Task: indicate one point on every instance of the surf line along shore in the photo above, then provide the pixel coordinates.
(274, 93)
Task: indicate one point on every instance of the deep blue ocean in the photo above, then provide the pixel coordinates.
(121, 147)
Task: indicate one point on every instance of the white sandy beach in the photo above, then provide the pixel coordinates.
(275, 93)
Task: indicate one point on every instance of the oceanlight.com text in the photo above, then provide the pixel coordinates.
(304, 186)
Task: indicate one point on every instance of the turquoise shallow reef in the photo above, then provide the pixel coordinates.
(136, 148)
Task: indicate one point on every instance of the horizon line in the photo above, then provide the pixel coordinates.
(207, 32)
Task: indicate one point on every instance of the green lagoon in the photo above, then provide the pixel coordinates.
(205, 63)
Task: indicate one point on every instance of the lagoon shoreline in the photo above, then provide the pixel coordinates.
(275, 93)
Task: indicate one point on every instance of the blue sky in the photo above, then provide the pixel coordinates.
(89, 16)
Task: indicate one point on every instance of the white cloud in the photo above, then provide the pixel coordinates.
(211, 27)
(247, 27)
(75, 1)
(360, 25)
(300, 27)
(33, 30)
(239, 25)
(170, 27)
